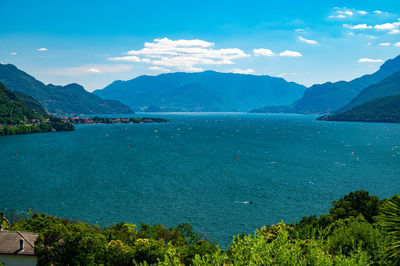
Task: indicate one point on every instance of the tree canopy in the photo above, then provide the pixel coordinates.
(348, 235)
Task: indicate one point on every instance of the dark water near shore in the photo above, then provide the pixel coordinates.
(199, 168)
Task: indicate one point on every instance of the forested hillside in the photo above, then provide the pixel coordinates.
(16, 117)
(71, 99)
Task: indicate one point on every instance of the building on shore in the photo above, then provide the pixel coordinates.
(17, 248)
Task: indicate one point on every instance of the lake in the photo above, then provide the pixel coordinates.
(200, 168)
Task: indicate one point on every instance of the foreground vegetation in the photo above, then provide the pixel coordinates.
(359, 229)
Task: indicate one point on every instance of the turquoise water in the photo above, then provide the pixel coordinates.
(199, 168)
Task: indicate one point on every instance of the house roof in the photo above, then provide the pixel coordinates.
(9, 243)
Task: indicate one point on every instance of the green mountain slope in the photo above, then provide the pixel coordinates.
(329, 97)
(69, 99)
(205, 100)
(13, 110)
(203, 91)
(16, 117)
(385, 109)
(31, 102)
(388, 86)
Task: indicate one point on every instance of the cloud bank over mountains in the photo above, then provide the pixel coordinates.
(184, 55)
(190, 55)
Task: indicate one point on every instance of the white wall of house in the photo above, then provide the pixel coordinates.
(18, 260)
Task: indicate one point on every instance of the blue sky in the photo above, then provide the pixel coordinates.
(96, 42)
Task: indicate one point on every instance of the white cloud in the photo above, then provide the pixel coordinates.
(86, 70)
(282, 74)
(352, 14)
(183, 55)
(94, 70)
(299, 30)
(159, 69)
(385, 26)
(268, 52)
(263, 51)
(385, 44)
(307, 41)
(165, 42)
(242, 71)
(337, 16)
(393, 27)
(130, 58)
(357, 27)
(42, 49)
(397, 44)
(290, 54)
(342, 13)
(13, 53)
(368, 60)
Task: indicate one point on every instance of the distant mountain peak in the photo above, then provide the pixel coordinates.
(75, 86)
(391, 64)
(329, 97)
(202, 91)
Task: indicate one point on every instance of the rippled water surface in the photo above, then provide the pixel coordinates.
(199, 168)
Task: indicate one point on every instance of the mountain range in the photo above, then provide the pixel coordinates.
(69, 99)
(202, 91)
(377, 103)
(386, 109)
(330, 97)
(207, 91)
(387, 87)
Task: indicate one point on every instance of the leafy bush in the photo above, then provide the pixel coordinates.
(342, 237)
(355, 203)
(353, 233)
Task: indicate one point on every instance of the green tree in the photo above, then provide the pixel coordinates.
(347, 236)
(389, 219)
(125, 232)
(355, 203)
(148, 250)
(71, 244)
(118, 253)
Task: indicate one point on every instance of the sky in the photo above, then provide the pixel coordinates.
(94, 43)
